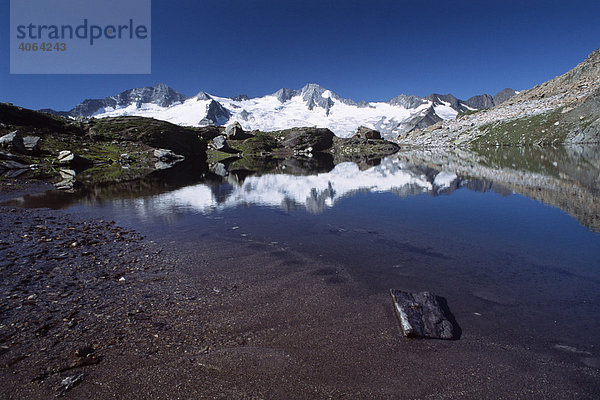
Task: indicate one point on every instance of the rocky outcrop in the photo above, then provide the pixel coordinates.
(154, 133)
(367, 133)
(318, 139)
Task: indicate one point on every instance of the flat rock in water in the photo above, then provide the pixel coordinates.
(424, 315)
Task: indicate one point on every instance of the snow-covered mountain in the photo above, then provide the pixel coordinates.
(312, 105)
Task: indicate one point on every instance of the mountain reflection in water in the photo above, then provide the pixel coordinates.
(565, 177)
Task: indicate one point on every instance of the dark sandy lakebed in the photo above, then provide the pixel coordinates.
(215, 291)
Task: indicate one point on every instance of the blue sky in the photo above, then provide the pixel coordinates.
(364, 50)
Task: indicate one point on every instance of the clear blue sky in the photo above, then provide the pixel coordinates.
(364, 50)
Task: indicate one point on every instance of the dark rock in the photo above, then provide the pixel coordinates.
(67, 157)
(319, 139)
(424, 315)
(13, 141)
(367, 133)
(235, 131)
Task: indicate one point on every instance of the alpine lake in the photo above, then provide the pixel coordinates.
(510, 236)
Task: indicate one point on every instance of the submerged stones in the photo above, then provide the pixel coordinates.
(424, 315)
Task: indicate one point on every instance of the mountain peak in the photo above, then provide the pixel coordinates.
(315, 96)
(203, 96)
(313, 88)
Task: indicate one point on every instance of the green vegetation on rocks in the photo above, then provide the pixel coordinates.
(544, 128)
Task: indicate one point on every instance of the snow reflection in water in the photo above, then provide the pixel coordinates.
(315, 193)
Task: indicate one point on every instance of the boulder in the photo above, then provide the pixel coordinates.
(367, 133)
(67, 157)
(424, 315)
(318, 139)
(31, 144)
(235, 131)
(13, 141)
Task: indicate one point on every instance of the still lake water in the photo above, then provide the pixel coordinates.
(509, 264)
